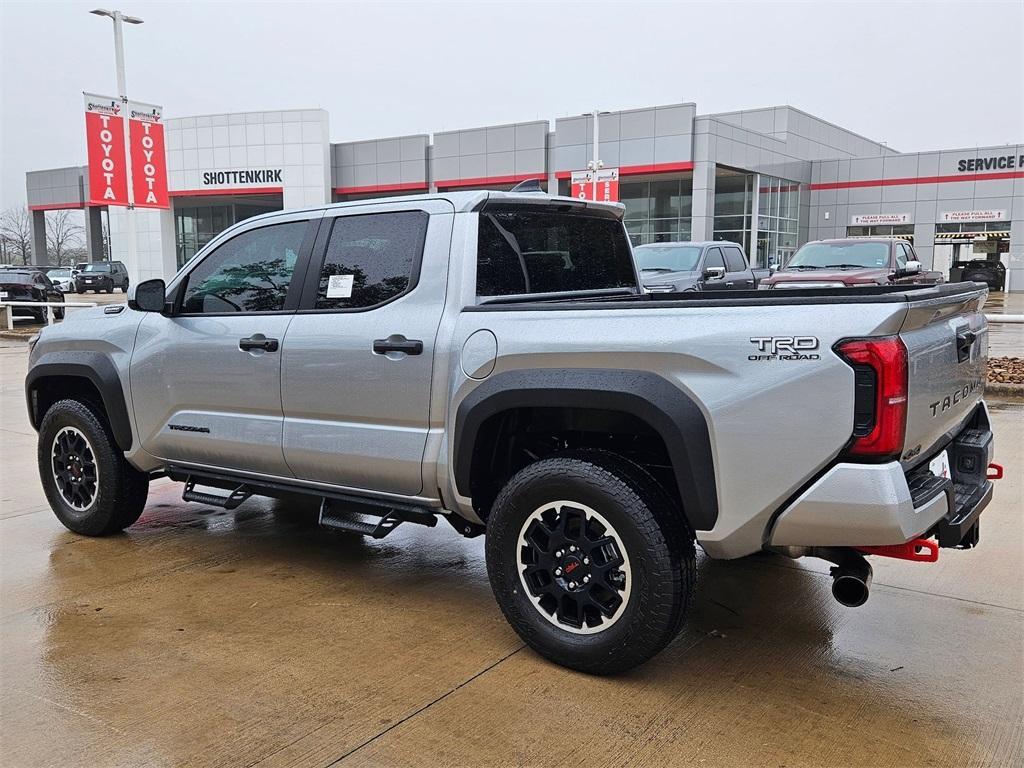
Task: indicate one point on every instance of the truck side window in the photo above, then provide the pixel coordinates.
(714, 259)
(371, 259)
(249, 273)
(535, 252)
(734, 259)
(901, 255)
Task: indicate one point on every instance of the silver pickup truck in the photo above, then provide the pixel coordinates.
(492, 360)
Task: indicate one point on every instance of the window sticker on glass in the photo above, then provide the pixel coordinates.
(339, 286)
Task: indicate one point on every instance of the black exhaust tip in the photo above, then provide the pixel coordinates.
(849, 589)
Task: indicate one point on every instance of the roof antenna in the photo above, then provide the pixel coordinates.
(530, 185)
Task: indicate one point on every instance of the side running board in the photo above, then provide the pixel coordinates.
(351, 519)
(237, 496)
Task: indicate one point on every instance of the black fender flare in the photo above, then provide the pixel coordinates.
(98, 369)
(670, 411)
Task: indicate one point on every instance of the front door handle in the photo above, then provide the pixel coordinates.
(258, 341)
(397, 343)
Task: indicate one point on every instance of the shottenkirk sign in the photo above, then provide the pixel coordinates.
(992, 163)
(243, 176)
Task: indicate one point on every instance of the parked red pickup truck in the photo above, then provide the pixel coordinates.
(853, 262)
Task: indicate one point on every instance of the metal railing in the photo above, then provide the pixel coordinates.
(49, 308)
(1005, 318)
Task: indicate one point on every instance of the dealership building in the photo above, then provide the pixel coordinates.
(770, 179)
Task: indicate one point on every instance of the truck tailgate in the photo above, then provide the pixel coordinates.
(947, 353)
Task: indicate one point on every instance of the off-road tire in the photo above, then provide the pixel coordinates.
(656, 537)
(121, 489)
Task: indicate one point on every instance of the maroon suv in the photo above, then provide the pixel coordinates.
(855, 261)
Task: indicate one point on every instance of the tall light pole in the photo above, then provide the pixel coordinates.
(119, 20)
(595, 164)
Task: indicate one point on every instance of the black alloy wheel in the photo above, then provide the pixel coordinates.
(74, 468)
(574, 567)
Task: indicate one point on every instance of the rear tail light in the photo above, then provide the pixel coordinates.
(880, 395)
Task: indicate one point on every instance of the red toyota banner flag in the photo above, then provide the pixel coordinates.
(582, 184)
(149, 161)
(108, 175)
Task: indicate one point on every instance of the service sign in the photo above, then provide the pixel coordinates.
(104, 132)
(870, 219)
(955, 216)
(990, 163)
(607, 185)
(149, 160)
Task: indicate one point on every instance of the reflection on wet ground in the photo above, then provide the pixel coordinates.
(253, 637)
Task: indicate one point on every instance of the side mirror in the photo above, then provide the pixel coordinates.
(148, 296)
(912, 268)
(714, 273)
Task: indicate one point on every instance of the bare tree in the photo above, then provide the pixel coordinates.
(16, 233)
(63, 236)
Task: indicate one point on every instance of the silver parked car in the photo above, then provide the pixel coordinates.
(491, 359)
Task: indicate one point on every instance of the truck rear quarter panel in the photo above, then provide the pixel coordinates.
(773, 423)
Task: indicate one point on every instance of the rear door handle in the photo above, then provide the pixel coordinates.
(258, 341)
(397, 343)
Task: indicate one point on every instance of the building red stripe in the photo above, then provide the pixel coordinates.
(636, 170)
(55, 206)
(491, 180)
(407, 186)
(236, 191)
(919, 180)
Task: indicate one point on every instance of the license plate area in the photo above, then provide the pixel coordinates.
(939, 466)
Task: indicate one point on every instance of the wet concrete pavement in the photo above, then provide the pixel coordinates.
(203, 637)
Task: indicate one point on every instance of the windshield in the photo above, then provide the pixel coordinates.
(841, 255)
(58, 273)
(97, 267)
(16, 278)
(667, 258)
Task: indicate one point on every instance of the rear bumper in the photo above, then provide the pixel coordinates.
(854, 505)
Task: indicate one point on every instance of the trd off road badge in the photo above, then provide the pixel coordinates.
(785, 348)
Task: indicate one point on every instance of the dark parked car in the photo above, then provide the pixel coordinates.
(29, 284)
(992, 273)
(102, 276)
(701, 266)
(853, 262)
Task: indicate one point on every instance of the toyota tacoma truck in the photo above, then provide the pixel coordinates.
(491, 359)
(853, 263)
(695, 266)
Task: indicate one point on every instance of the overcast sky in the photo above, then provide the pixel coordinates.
(916, 75)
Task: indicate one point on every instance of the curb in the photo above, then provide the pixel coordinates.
(1002, 391)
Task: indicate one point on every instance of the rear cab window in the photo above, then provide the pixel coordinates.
(734, 259)
(523, 252)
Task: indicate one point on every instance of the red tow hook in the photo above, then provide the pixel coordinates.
(918, 550)
(995, 471)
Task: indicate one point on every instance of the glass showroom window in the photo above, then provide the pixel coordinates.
(733, 201)
(657, 211)
(195, 226)
(778, 220)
